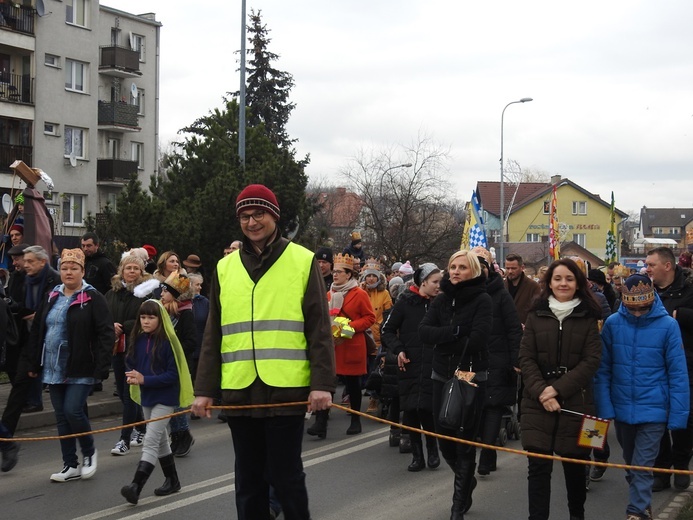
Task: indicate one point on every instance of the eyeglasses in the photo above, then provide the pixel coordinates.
(338, 271)
(258, 216)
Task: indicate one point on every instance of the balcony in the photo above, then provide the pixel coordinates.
(13, 152)
(16, 88)
(118, 116)
(114, 170)
(17, 18)
(119, 62)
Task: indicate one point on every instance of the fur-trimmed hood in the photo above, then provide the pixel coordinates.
(117, 283)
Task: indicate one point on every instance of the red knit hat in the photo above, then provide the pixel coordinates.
(151, 250)
(257, 196)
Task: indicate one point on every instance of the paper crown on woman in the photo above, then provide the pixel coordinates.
(177, 283)
(372, 266)
(344, 262)
(621, 271)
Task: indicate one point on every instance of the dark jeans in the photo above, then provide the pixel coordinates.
(5, 434)
(491, 420)
(677, 446)
(640, 443)
(35, 394)
(539, 486)
(132, 412)
(268, 452)
(70, 404)
(452, 451)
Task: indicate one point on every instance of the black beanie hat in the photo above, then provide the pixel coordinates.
(325, 253)
(596, 276)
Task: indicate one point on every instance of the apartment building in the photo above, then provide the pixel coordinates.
(78, 99)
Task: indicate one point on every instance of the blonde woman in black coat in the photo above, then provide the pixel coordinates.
(461, 316)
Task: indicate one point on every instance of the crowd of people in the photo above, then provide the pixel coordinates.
(550, 349)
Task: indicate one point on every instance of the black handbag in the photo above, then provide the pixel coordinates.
(457, 400)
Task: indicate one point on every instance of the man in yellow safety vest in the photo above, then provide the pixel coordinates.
(267, 341)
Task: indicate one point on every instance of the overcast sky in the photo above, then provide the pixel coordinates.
(612, 83)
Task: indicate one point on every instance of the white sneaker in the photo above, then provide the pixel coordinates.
(89, 466)
(137, 438)
(120, 448)
(66, 474)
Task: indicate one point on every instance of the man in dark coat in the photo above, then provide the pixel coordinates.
(524, 290)
(98, 269)
(674, 285)
(40, 278)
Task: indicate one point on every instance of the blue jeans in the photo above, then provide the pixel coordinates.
(640, 443)
(180, 423)
(70, 404)
(268, 452)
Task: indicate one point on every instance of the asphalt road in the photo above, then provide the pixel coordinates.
(348, 477)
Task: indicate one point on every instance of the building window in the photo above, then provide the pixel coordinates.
(137, 154)
(138, 101)
(579, 207)
(51, 128)
(675, 231)
(111, 199)
(547, 207)
(580, 239)
(137, 44)
(75, 142)
(73, 209)
(76, 12)
(76, 75)
(533, 237)
(658, 231)
(52, 60)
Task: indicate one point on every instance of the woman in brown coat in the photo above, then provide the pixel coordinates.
(559, 356)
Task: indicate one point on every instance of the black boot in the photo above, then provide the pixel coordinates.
(355, 426)
(418, 463)
(465, 482)
(432, 448)
(132, 491)
(405, 443)
(319, 427)
(393, 438)
(185, 442)
(171, 484)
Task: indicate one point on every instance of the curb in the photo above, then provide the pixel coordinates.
(47, 416)
(672, 510)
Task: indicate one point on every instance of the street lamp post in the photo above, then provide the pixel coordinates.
(501, 259)
(405, 165)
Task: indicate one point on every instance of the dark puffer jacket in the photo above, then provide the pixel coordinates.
(463, 310)
(503, 345)
(679, 297)
(546, 345)
(400, 333)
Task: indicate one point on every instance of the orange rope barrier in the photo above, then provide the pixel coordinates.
(372, 418)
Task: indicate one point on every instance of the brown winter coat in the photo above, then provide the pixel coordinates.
(527, 292)
(580, 352)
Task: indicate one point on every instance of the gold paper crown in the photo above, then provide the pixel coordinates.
(72, 255)
(372, 264)
(177, 284)
(343, 262)
(621, 271)
(638, 295)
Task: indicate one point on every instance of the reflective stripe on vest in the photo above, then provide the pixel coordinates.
(262, 323)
